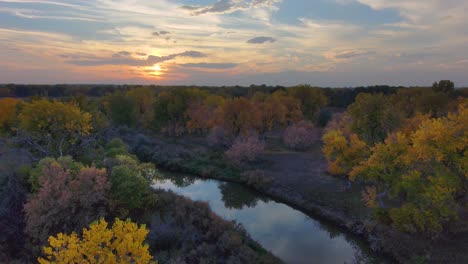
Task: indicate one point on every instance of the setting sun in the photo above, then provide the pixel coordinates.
(157, 68)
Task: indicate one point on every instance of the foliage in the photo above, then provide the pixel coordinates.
(130, 182)
(53, 127)
(8, 113)
(311, 99)
(239, 116)
(122, 109)
(409, 102)
(300, 136)
(373, 117)
(204, 115)
(115, 147)
(343, 152)
(66, 199)
(445, 86)
(423, 172)
(144, 98)
(170, 107)
(122, 243)
(245, 149)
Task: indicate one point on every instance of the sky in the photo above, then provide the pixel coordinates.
(333, 43)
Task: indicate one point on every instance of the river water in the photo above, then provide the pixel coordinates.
(286, 232)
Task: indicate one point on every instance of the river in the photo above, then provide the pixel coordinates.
(286, 232)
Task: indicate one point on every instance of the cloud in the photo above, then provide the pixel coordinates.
(130, 61)
(160, 33)
(261, 40)
(210, 65)
(121, 54)
(343, 55)
(228, 6)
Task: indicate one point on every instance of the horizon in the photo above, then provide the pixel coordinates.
(326, 43)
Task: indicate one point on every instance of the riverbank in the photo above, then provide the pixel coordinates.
(299, 179)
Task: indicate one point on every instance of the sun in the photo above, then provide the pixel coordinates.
(157, 68)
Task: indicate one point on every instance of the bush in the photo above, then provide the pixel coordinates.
(300, 136)
(218, 138)
(66, 200)
(245, 149)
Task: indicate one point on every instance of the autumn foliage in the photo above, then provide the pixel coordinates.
(67, 199)
(300, 136)
(53, 127)
(245, 149)
(121, 243)
(8, 113)
(417, 175)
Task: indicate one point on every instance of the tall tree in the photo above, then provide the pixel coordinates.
(53, 128)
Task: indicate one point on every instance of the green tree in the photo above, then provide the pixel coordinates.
(311, 99)
(445, 86)
(122, 109)
(373, 117)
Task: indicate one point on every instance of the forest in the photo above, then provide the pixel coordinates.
(78, 164)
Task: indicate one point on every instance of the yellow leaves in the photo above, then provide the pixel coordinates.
(343, 153)
(123, 243)
(43, 115)
(369, 196)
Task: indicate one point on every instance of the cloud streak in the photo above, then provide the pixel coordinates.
(228, 6)
(261, 40)
(130, 61)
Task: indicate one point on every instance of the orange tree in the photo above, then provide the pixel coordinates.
(8, 113)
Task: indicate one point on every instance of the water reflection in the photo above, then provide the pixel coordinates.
(286, 232)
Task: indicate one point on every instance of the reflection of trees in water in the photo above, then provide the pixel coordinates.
(235, 196)
(181, 181)
(362, 252)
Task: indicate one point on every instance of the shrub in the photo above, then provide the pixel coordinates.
(65, 201)
(300, 136)
(245, 149)
(218, 138)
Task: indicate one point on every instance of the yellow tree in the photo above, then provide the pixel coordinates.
(122, 243)
(343, 152)
(53, 127)
(8, 113)
(423, 172)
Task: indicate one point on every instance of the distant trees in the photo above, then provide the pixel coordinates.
(122, 109)
(445, 86)
(170, 108)
(121, 243)
(311, 99)
(8, 113)
(53, 128)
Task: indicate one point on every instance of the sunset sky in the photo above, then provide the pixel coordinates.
(234, 42)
